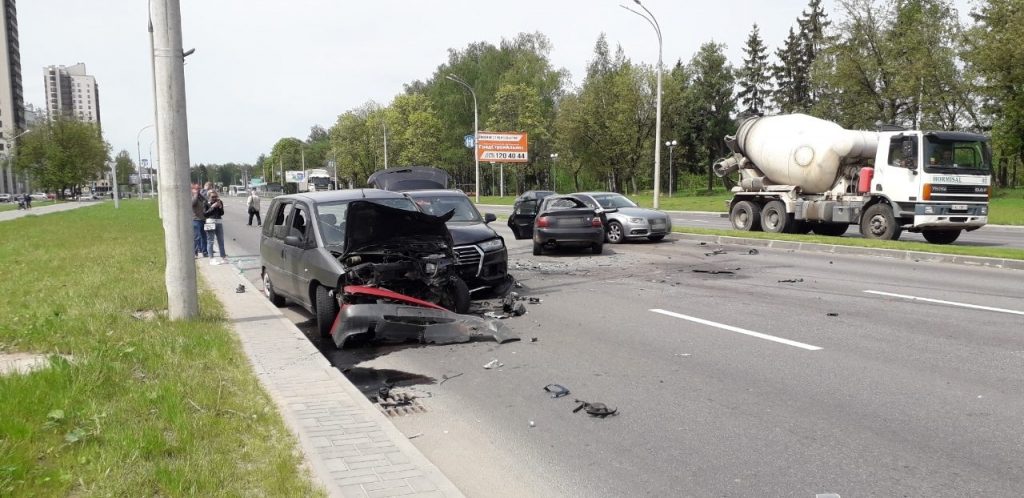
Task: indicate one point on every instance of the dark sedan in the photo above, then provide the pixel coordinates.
(564, 220)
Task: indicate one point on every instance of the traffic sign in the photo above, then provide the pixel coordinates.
(468, 140)
(502, 147)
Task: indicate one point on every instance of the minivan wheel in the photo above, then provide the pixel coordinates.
(268, 290)
(326, 311)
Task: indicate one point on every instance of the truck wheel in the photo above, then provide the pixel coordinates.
(830, 229)
(941, 236)
(614, 234)
(268, 290)
(879, 223)
(326, 311)
(745, 216)
(775, 219)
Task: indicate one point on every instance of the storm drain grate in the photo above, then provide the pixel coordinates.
(400, 405)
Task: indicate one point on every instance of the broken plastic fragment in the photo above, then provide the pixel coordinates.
(791, 281)
(595, 409)
(556, 390)
(753, 252)
(832, 313)
(493, 364)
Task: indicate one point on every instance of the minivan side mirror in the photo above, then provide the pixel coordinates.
(489, 217)
(293, 240)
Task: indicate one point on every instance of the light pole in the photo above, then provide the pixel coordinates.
(11, 142)
(138, 151)
(671, 144)
(149, 170)
(657, 124)
(554, 157)
(476, 132)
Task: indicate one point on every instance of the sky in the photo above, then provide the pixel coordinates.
(267, 69)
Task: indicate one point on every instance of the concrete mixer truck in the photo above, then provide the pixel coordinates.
(799, 174)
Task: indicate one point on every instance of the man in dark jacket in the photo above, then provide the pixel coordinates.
(198, 219)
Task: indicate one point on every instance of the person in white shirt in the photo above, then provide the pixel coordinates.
(254, 208)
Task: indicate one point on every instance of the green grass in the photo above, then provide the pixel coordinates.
(986, 252)
(1006, 207)
(144, 408)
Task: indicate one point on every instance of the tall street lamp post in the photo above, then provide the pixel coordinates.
(138, 151)
(657, 125)
(671, 144)
(554, 157)
(11, 143)
(476, 132)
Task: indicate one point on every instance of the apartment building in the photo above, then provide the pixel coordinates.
(72, 92)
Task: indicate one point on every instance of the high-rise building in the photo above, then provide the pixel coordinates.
(12, 107)
(72, 93)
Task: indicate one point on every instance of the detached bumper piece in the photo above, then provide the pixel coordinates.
(399, 323)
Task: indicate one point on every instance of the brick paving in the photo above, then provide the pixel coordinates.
(350, 447)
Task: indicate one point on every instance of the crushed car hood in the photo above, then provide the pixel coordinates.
(380, 224)
(411, 178)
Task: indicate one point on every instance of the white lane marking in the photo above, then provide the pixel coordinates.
(951, 303)
(738, 330)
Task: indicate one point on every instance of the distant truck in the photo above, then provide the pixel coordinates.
(315, 180)
(800, 174)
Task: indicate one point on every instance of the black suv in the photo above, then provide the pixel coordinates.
(314, 244)
(482, 256)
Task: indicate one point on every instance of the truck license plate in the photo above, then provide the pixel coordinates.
(959, 207)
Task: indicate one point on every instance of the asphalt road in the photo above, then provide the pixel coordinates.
(989, 235)
(842, 380)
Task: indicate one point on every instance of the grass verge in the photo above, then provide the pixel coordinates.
(985, 252)
(144, 407)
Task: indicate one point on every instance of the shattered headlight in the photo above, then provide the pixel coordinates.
(430, 268)
(637, 220)
(491, 245)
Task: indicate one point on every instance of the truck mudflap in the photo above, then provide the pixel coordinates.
(410, 320)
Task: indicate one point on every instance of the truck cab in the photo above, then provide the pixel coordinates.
(937, 183)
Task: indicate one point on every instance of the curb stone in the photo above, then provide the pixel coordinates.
(350, 447)
(1010, 264)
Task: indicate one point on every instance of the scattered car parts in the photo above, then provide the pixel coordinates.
(556, 390)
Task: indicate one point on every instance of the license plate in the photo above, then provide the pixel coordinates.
(959, 207)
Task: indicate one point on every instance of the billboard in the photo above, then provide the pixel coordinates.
(294, 176)
(502, 147)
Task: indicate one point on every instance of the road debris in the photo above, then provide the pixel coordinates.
(791, 281)
(556, 390)
(494, 363)
(240, 289)
(682, 354)
(532, 424)
(716, 252)
(595, 409)
(832, 313)
(534, 300)
(714, 272)
(446, 377)
(414, 436)
(753, 252)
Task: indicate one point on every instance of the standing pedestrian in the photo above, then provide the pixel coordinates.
(254, 208)
(214, 215)
(198, 219)
(28, 201)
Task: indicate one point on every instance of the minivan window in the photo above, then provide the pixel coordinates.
(283, 213)
(331, 217)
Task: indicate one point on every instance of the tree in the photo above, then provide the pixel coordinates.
(63, 154)
(712, 89)
(754, 78)
(125, 167)
(795, 91)
(790, 80)
(994, 53)
(417, 131)
(518, 107)
(285, 156)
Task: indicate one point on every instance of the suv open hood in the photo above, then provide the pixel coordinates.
(411, 178)
(370, 224)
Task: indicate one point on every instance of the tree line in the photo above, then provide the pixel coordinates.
(911, 63)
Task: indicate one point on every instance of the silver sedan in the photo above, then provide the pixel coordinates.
(629, 221)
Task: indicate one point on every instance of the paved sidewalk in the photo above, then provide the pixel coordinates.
(40, 210)
(352, 449)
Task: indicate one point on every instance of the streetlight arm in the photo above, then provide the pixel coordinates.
(650, 20)
(657, 27)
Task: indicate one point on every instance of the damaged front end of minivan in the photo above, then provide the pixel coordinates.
(400, 280)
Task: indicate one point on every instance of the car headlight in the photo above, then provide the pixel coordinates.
(430, 268)
(636, 220)
(491, 245)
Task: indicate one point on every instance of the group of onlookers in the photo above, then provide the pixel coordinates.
(207, 222)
